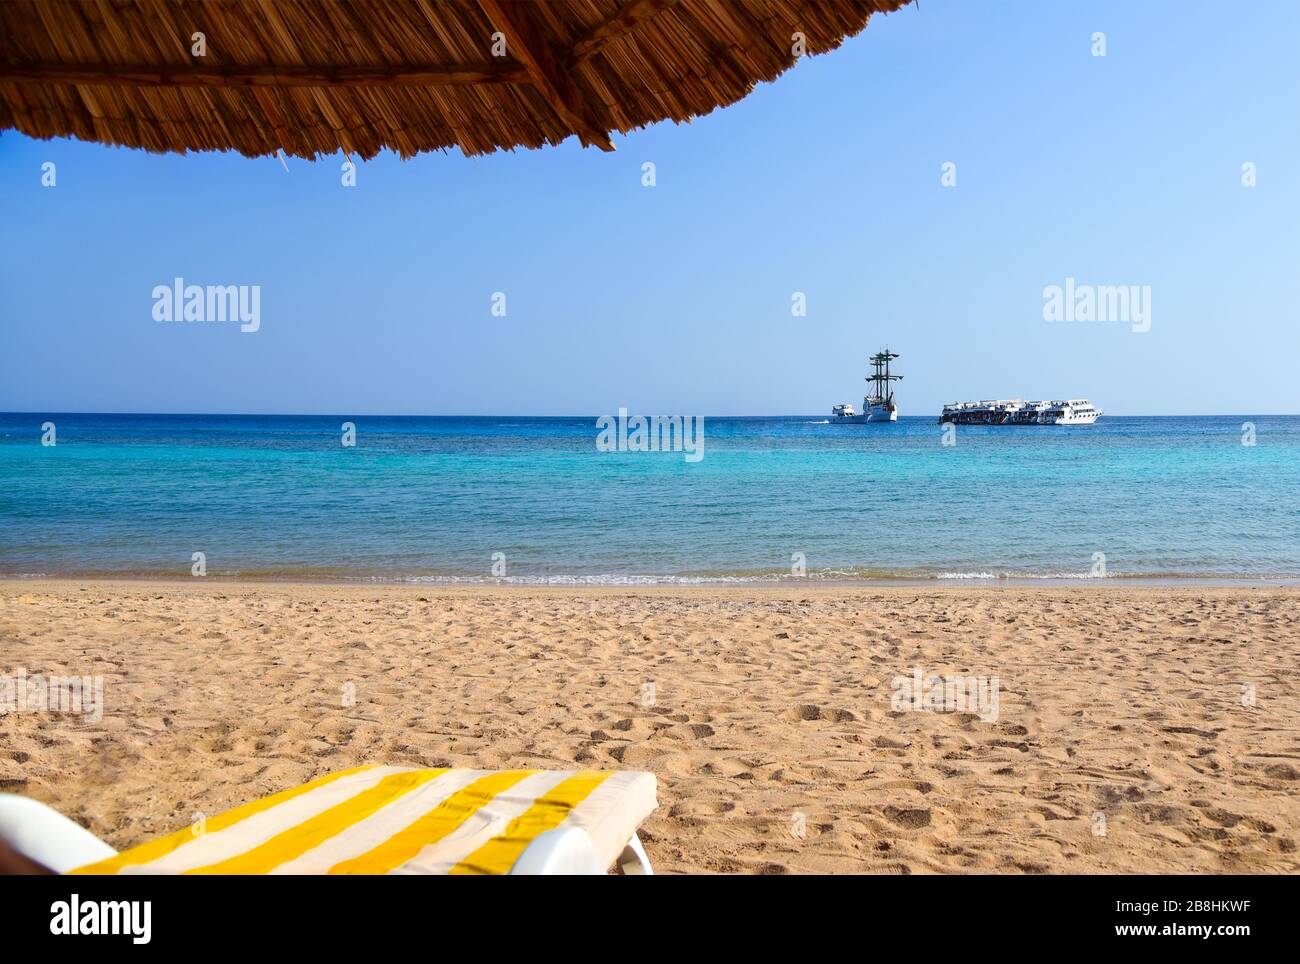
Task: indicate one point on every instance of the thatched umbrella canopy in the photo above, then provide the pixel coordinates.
(313, 77)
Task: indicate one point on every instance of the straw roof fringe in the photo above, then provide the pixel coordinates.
(313, 77)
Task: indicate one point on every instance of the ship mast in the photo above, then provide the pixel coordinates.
(881, 377)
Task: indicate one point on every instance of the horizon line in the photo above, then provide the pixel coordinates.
(47, 412)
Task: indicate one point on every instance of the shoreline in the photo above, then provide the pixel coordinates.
(635, 583)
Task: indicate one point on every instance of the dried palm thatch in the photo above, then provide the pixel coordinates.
(311, 77)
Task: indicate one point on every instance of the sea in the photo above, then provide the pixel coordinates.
(536, 500)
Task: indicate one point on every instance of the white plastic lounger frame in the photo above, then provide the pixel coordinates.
(47, 836)
(568, 851)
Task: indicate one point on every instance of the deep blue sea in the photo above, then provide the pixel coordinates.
(435, 498)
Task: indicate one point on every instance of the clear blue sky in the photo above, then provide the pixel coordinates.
(676, 299)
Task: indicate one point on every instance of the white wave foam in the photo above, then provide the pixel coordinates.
(603, 579)
(1022, 575)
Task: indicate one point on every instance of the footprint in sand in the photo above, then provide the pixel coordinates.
(911, 818)
(807, 712)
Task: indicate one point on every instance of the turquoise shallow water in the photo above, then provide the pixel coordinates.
(435, 498)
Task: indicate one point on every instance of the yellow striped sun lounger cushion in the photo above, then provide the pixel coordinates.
(399, 820)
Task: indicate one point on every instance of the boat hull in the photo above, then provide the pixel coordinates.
(876, 413)
(982, 419)
(1069, 420)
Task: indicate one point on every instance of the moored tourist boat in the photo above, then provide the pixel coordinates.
(1017, 411)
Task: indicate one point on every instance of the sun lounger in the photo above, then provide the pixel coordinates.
(381, 820)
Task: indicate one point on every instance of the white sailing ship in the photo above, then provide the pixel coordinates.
(878, 405)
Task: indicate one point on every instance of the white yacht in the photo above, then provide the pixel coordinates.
(878, 405)
(1076, 411)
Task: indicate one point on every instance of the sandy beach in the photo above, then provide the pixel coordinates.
(1137, 729)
